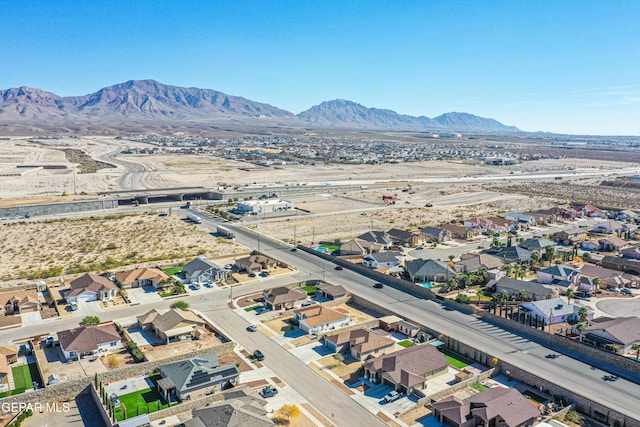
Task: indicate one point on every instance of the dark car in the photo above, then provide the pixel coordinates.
(268, 391)
(258, 355)
(378, 286)
(252, 328)
(339, 267)
(252, 274)
(294, 249)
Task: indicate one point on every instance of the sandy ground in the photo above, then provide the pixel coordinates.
(28, 249)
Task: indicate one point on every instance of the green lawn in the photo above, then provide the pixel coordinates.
(310, 289)
(253, 307)
(169, 294)
(479, 387)
(405, 343)
(23, 377)
(173, 270)
(534, 397)
(141, 402)
(457, 361)
(332, 248)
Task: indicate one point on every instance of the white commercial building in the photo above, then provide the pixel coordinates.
(264, 206)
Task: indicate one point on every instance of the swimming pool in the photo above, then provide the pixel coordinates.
(427, 285)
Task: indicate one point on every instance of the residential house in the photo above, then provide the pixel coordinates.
(91, 287)
(172, 324)
(591, 211)
(553, 311)
(407, 328)
(380, 237)
(478, 223)
(612, 243)
(142, 277)
(195, 377)
(10, 353)
(511, 254)
(631, 266)
(590, 245)
(360, 343)
(359, 247)
(255, 263)
(571, 236)
(389, 323)
(330, 291)
(472, 261)
(382, 260)
(428, 270)
(460, 232)
(504, 407)
(201, 270)
(501, 224)
(248, 409)
(626, 215)
(537, 245)
(282, 298)
(20, 302)
(623, 332)
(631, 253)
(318, 318)
(610, 278)
(612, 227)
(406, 238)
(559, 272)
(522, 219)
(89, 340)
(408, 369)
(535, 291)
(436, 233)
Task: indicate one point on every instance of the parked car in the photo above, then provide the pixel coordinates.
(626, 291)
(252, 274)
(252, 328)
(339, 267)
(268, 391)
(378, 286)
(419, 248)
(615, 289)
(265, 273)
(392, 396)
(308, 303)
(294, 249)
(258, 355)
(196, 286)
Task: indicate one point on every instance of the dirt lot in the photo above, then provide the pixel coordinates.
(414, 414)
(51, 248)
(182, 347)
(341, 369)
(279, 325)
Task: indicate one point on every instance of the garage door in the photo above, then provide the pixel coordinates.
(86, 297)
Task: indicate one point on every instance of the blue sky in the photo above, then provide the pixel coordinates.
(558, 66)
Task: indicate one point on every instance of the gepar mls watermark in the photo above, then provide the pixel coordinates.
(35, 407)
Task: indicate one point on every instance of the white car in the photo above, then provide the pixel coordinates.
(392, 396)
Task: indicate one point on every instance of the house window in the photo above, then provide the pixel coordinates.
(114, 343)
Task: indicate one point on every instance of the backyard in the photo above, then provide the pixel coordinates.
(457, 361)
(23, 377)
(139, 402)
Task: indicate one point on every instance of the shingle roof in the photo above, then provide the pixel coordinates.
(362, 340)
(507, 403)
(91, 282)
(131, 276)
(333, 290)
(204, 367)
(512, 254)
(239, 412)
(198, 266)
(167, 320)
(281, 295)
(427, 268)
(532, 288)
(377, 237)
(537, 244)
(409, 366)
(558, 305)
(384, 257)
(320, 315)
(86, 338)
(560, 270)
(624, 329)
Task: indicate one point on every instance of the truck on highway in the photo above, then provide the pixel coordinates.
(194, 218)
(225, 232)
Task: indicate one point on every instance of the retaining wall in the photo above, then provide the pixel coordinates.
(58, 208)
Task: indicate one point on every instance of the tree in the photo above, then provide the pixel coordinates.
(451, 257)
(507, 268)
(535, 257)
(113, 361)
(504, 296)
(465, 280)
(463, 299)
(522, 294)
(90, 321)
(583, 313)
(636, 347)
(550, 252)
(580, 327)
(289, 411)
(569, 294)
(180, 305)
(614, 348)
(339, 358)
(596, 283)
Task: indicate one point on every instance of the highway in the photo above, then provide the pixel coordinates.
(566, 371)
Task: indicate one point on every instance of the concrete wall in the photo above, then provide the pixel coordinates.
(58, 208)
(439, 395)
(599, 355)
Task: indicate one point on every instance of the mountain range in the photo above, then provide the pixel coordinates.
(143, 105)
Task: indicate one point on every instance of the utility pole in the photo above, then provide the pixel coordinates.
(313, 240)
(258, 242)
(295, 241)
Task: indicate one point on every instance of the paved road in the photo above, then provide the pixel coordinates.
(571, 371)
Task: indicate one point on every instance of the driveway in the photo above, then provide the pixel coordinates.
(141, 337)
(145, 295)
(372, 400)
(31, 318)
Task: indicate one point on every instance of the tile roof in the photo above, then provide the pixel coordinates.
(87, 338)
